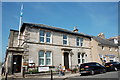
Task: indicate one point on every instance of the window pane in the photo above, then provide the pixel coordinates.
(41, 62)
(83, 60)
(48, 61)
(48, 54)
(64, 36)
(64, 42)
(78, 55)
(83, 55)
(81, 41)
(77, 39)
(48, 40)
(41, 54)
(77, 43)
(78, 61)
(41, 39)
(81, 44)
(48, 34)
(42, 33)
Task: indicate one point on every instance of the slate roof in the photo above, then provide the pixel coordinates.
(43, 26)
(104, 42)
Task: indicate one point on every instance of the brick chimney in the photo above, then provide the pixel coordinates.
(101, 35)
(75, 29)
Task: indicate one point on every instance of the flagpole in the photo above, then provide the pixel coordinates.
(20, 23)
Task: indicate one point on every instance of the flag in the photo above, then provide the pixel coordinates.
(21, 14)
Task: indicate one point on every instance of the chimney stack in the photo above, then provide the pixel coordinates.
(101, 35)
(75, 29)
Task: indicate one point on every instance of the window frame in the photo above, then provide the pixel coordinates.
(65, 39)
(82, 59)
(41, 36)
(45, 36)
(49, 58)
(45, 58)
(79, 41)
(42, 57)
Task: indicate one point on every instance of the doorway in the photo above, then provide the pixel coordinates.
(17, 60)
(66, 60)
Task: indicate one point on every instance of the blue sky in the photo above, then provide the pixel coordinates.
(89, 17)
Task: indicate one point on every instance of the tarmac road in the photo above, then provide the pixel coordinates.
(113, 74)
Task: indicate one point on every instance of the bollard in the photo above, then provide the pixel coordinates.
(51, 75)
(6, 76)
(23, 72)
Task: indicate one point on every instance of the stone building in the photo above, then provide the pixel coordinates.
(46, 46)
(103, 50)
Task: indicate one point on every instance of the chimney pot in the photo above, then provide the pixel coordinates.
(75, 29)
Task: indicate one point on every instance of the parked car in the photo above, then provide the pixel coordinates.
(112, 66)
(91, 68)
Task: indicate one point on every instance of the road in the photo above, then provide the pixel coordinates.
(112, 74)
(105, 76)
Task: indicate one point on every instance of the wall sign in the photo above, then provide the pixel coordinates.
(42, 69)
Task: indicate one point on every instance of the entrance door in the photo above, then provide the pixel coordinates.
(17, 59)
(66, 60)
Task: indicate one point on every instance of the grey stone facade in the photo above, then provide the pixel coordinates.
(69, 54)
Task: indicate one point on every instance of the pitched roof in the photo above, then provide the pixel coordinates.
(104, 42)
(43, 26)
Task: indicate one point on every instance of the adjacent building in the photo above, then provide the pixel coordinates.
(46, 46)
(103, 50)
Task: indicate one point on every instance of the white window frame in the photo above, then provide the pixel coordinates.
(45, 37)
(65, 39)
(79, 41)
(49, 58)
(42, 58)
(81, 58)
(42, 36)
(45, 58)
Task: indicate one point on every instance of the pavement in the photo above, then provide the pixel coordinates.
(57, 76)
(67, 75)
